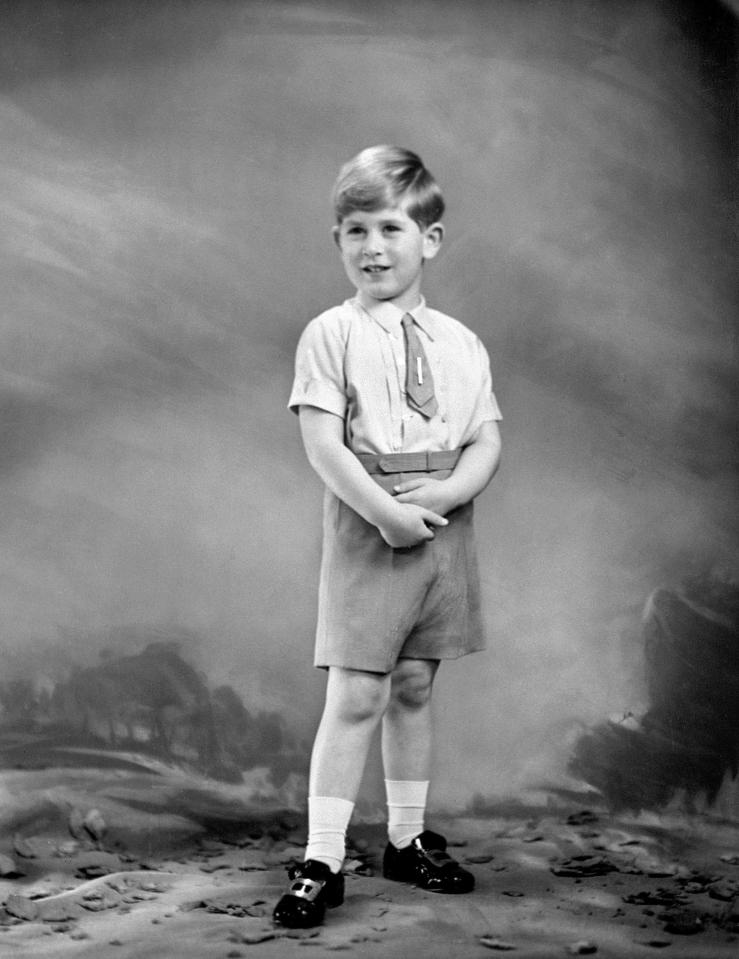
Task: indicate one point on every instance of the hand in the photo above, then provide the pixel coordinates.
(426, 492)
(411, 525)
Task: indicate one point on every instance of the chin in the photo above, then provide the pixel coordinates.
(379, 294)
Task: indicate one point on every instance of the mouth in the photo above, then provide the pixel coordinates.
(374, 269)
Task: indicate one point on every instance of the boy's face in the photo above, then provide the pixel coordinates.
(383, 252)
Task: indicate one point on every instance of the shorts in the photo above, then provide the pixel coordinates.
(377, 604)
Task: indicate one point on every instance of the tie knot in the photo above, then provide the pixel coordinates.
(407, 321)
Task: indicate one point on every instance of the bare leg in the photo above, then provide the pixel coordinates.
(355, 702)
(406, 725)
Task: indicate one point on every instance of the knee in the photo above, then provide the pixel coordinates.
(412, 683)
(361, 698)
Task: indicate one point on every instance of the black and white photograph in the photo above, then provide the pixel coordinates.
(369, 542)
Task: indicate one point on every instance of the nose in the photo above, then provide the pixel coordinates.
(372, 243)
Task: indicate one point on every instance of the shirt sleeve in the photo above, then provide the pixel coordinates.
(319, 367)
(486, 405)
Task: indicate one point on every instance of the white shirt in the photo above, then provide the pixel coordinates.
(350, 361)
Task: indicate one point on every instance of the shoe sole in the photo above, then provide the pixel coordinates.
(306, 925)
(419, 885)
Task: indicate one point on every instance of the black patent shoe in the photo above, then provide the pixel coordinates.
(426, 864)
(313, 889)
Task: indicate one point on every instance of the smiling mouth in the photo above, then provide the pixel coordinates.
(374, 269)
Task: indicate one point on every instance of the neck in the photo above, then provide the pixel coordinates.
(403, 303)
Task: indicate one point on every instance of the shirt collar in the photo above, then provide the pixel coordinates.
(388, 315)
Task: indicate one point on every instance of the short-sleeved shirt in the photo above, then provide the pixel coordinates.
(350, 361)
(377, 604)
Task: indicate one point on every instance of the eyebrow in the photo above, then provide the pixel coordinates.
(390, 218)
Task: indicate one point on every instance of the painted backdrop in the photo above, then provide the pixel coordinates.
(164, 178)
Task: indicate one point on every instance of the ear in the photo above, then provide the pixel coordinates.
(336, 234)
(432, 237)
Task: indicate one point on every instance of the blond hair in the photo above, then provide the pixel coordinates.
(386, 176)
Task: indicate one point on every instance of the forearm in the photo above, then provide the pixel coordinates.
(401, 525)
(477, 465)
(345, 476)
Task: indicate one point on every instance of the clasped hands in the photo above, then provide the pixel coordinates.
(422, 503)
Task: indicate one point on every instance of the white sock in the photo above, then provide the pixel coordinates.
(328, 818)
(406, 806)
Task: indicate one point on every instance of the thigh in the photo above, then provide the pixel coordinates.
(450, 622)
(370, 594)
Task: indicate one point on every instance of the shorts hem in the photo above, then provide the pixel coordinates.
(326, 663)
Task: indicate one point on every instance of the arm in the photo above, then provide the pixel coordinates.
(476, 467)
(400, 524)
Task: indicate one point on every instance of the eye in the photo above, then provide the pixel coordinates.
(354, 231)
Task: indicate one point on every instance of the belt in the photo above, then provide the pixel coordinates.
(409, 462)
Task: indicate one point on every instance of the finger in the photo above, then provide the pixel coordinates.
(408, 485)
(430, 517)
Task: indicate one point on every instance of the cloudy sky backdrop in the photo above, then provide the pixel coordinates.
(164, 178)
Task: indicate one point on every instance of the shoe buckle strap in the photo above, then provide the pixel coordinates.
(307, 889)
(438, 857)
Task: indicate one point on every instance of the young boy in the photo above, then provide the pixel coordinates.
(398, 419)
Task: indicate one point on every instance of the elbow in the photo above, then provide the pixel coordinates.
(495, 462)
(321, 454)
(315, 459)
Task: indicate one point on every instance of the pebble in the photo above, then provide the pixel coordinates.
(76, 824)
(682, 923)
(582, 818)
(725, 891)
(582, 948)
(95, 824)
(8, 867)
(96, 863)
(253, 938)
(33, 846)
(22, 908)
(585, 866)
(497, 944)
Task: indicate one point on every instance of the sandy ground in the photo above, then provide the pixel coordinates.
(132, 864)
